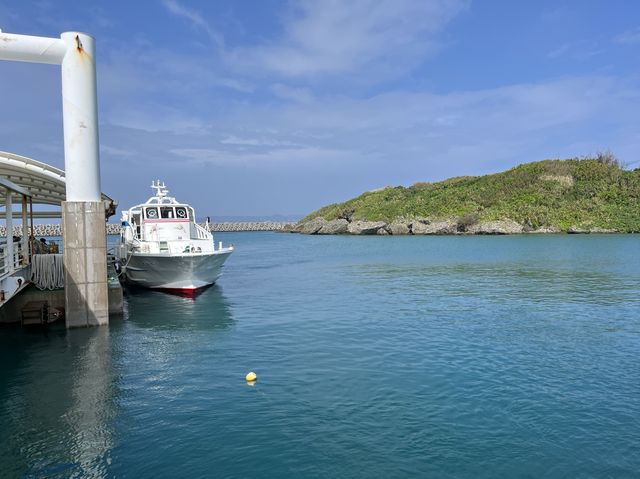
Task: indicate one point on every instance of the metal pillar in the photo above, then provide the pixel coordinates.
(83, 217)
(25, 233)
(8, 203)
(32, 237)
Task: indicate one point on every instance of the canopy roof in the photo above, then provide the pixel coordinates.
(44, 183)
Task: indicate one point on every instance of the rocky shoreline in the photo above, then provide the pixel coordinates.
(425, 226)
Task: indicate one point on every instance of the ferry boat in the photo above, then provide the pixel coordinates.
(162, 246)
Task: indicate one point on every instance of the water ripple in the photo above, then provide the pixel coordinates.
(376, 357)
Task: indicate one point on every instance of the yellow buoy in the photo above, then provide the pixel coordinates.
(250, 377)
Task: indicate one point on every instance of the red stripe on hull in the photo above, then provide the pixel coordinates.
(188, 292)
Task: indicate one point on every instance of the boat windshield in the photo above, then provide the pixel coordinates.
(182, 212)
(151, 213)
(166, 212)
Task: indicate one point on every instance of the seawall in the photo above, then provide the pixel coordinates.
(114, 229)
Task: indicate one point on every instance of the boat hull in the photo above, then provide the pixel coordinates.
(179, 273)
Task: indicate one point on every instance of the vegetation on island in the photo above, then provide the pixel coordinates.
(584, 193)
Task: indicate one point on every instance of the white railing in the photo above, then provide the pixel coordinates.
(5, 263)
(3, 260)
(201, 233)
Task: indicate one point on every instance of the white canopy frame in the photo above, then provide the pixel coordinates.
(45, 184)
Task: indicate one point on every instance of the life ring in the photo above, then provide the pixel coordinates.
(181, 212)
(152, 213)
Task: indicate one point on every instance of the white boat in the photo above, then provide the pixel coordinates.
(162, 246)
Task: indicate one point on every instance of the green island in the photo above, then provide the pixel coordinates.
(579, 195)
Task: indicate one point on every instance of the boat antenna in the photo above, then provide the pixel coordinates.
(161, 189)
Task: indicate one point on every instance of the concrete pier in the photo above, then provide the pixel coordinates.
(85, 252)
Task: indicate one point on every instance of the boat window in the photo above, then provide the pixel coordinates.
(191, 213)
(166, 212)
(181, 212)
(151, 213)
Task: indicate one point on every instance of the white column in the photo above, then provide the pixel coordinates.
(8, 203)
(80, 118)
(75, 51)
(83, 218)
(25, 232)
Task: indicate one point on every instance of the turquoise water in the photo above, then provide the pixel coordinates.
(376, 357)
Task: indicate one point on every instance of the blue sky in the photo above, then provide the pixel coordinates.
(277, 107)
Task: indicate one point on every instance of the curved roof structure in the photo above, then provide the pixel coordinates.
(45, 183)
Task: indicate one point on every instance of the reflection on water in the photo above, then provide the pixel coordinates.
(92, 410)
(60, 390)
(377, 357)
(210, 309)
(58, 408)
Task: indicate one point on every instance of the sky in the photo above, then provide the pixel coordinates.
(277, 107)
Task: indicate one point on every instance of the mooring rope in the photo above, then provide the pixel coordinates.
(47, 271)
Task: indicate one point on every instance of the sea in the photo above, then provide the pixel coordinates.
(376, 357)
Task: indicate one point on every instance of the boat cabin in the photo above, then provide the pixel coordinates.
(162, 220)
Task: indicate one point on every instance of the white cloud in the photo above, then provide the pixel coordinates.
(113, 151)
(196, 19)
(308, 158)
(302, 95)
(392, 134)
(560, 51)
(337, 37)
(262, 141)
(630, 37)
(157, 119)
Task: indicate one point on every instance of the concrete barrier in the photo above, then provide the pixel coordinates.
(114, 229)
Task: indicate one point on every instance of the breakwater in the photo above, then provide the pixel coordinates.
(114, 229)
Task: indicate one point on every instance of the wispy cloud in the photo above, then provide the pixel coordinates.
(630, 37)
(560, 51)
(302, 95)
(337, 37)
(260, 141)
(308, 158)
(397, 129)
(195, 19)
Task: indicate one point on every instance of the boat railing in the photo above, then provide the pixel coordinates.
(201, 233)
(5, 263)
(135, 233)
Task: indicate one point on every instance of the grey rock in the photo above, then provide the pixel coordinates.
(399, 228)
(499, 227)
(334, 227)
(588, 230)
(426, 227)
(382, 232)
(311, 227)
(365, 227)
(546, 230)
(288, 229)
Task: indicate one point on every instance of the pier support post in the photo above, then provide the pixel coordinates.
(8, 204)
(24, 241)
(83, 214)
(85, 251)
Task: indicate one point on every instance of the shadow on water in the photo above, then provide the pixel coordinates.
(208, 310)
(57, 403)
